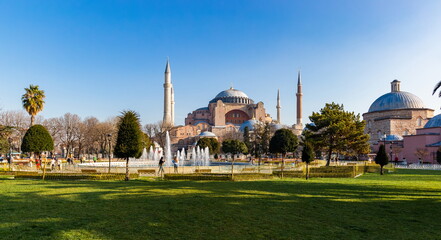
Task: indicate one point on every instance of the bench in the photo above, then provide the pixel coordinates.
(147, 171)
(202, 170)
(88, 171)
(248, 169)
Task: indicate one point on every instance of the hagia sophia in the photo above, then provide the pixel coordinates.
(398, 119)
(225, 116)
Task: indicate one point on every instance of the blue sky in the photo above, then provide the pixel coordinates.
(97, 58)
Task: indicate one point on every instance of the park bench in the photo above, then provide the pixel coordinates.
(147, 171)
(88, 171)
(203, 170)
(248, 169)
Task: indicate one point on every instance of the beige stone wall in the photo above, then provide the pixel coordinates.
(397, 122)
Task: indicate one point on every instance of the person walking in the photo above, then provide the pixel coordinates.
(161, 168)
(175, 164)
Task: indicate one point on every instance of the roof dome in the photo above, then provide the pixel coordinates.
(250, 124)
(207, 134)
(434, 122)
(396, 99)
(392, 138)
(232, 96)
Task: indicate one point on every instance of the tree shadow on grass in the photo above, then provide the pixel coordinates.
(291, 209)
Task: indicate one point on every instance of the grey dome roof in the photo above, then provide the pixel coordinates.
(207, 134)
(232, 96)
(250, 124)
(434, 122)
(396, 100)
(392, 137)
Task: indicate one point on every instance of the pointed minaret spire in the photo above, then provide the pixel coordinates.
(167, 120)
(278, 106)
(299, 99)
(167, 66)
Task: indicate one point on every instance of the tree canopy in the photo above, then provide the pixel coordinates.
(130, 139)
(234, 147)
(307, 153)
(335, 130)
(33, 101)
(37, 139)
(212, 144)
(283, 141)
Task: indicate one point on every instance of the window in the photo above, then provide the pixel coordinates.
(419, 122)
(380, 135)
(406, 132)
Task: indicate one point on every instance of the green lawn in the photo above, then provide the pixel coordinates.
(401, 205)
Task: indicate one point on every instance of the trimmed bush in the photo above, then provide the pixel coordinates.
(74, 176)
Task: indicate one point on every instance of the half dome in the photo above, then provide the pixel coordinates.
(250, 124)
(434, 122)
(207, 134)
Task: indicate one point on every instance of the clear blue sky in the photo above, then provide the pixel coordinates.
(97, 58)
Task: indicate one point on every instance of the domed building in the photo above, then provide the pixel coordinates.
(227, 111)
(396, 113)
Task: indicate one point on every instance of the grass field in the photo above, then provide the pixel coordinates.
(405, 204)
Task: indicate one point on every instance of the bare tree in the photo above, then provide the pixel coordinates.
(421, 153)
(151, 129)
(69, 131)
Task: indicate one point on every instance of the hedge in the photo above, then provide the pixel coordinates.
(75, 176)
(217, 176)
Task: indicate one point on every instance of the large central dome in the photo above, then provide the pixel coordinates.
(232, 96)
(396, 100)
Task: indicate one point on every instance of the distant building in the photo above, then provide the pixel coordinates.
(396, 113)
(406, 127)
(225, 117)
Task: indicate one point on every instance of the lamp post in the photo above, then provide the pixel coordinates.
(10, 152)
(390, 147)
(109, 139)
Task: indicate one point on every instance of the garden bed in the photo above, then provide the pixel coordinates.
(74, 176)
(217, 176)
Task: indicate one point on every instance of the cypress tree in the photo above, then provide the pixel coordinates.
(307, 156)
(129, 142)
(382, 159)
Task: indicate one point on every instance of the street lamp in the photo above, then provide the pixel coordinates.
(109, 138)
(10, 152)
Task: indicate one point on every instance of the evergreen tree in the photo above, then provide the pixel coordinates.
(212, 144)
(282, 142)
(337, 131)
(233, 147)
(37, 140)
(438, 155)
(129, 142)
(307, 156)
(33, 101)
(246, 139)
(382, 159)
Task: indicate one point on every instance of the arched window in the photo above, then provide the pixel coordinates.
(369, 124)
(380, 134)
(419, 122)
(406, 132)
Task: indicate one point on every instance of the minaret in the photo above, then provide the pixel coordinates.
(278, 106)
(167, 121)
(173, 106)
(299, 100)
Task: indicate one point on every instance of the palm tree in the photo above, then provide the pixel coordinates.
(33, 101)
(438, 85)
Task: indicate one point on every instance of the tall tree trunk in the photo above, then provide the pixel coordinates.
(232, 169)
(307, 171)
(44, 165)
(328, 162)
(127, 170)
(283, 163)
(32, 120)
(381, 169)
